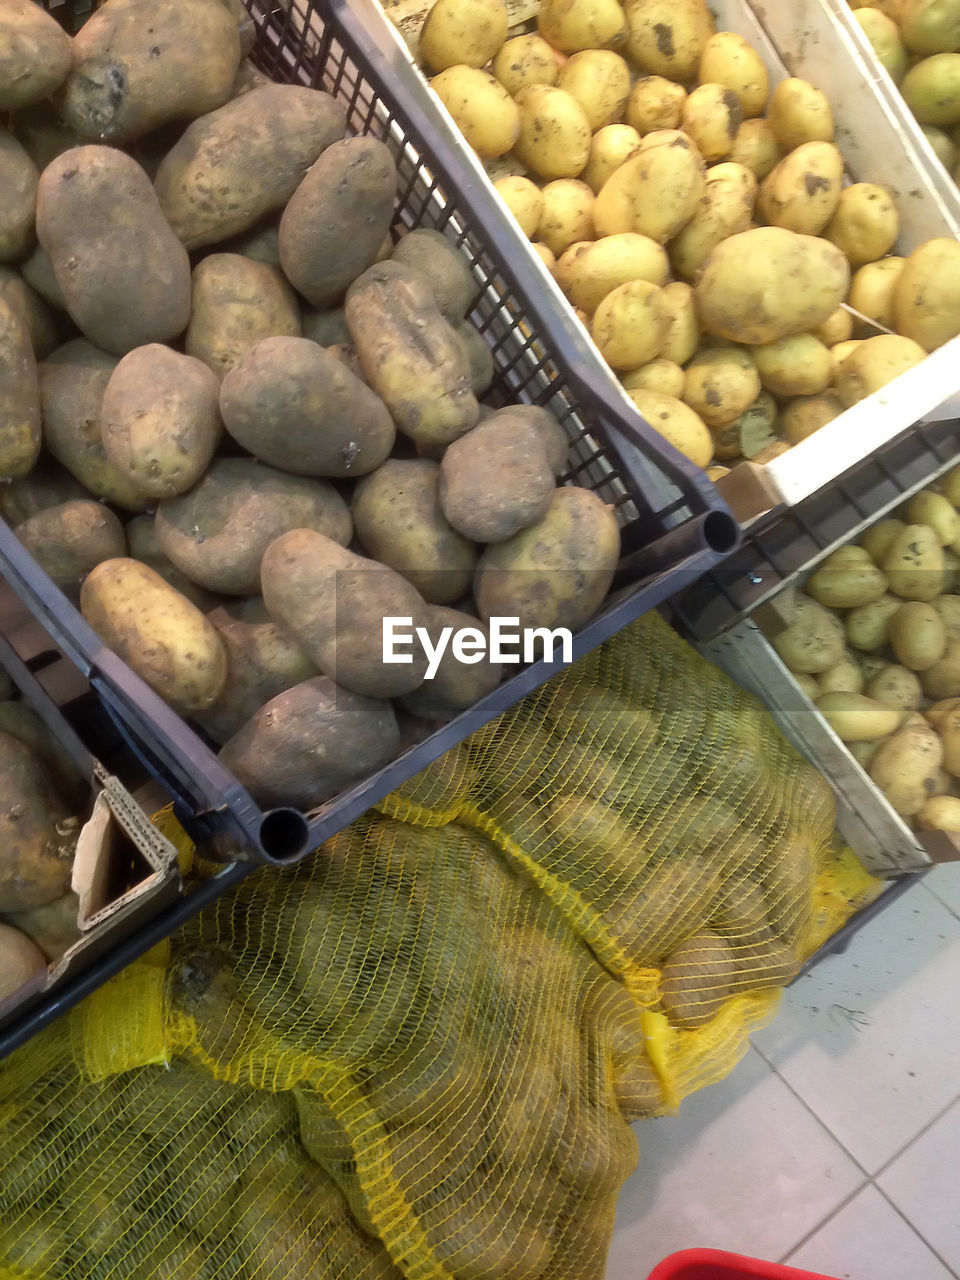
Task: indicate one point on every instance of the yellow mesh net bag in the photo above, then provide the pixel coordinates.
(418, 1053)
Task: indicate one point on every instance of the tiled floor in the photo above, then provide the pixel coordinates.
(835, 1145)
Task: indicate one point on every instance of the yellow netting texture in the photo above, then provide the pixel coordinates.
(417, 1054)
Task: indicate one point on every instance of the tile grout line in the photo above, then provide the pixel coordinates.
(916, 1137)
(916, 1231)
(933, 893)
(823, 1222)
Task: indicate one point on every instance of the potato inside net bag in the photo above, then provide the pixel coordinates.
(418, 1053)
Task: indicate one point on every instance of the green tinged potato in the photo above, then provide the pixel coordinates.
(39, 834)
(138, 64)
(18, 182)
(158, 632)
(335, 221)
(296, 406)
(218, 532)
(400, 521)
(926, 295)
(496, 480)
(656, 192)
(930, 26)
(160, 420)
(856, 718)
(19, 396)
(333, 603)
(237, 302)
(68, 540)
(124, 275)
(932, 89)
(410, 355)
(262, 661)
(35, 54)
(455, 685)
(446, 270)
(557, 572)
(234, 166)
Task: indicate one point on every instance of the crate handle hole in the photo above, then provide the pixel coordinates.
(720, 531)
(284, 835)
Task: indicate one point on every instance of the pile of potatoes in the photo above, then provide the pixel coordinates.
(254, 429)
(918, 42)
(698, 222)
(874, 640)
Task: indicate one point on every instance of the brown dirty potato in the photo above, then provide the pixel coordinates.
(496, 480)
(19, 396)
(237, 302)
(68, 540)
(18, 182)
(35, 54)
(38, 833)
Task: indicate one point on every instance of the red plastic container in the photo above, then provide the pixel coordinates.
(714, 1264)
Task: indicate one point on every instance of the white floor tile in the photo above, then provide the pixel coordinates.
(868, 1240)
(944, 882)
(870, 1040)
(924, 1183)
(744, 1167)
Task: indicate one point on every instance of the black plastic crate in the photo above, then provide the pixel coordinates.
(674, 526)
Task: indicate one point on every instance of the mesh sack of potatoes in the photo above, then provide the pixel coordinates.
(418, 1053)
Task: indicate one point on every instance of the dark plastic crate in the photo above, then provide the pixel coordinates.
(674, 526)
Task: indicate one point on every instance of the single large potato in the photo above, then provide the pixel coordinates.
(932, 89)
(38, 834)
(770, 282)
(158, 632)
(655, 103)
(468, 33)
(19, 396)
(696, 979)
(262, 661)
(124, 275)
(799, 365)
(525, 60)
(926, 295)
(905, 766)
(668, 37)
(35, 54)
(874, 363)
(218, 532)
(630, 325)
(139, 64)
(436, 257)
(930, 26)
(711, 116)
(233, 166)
(69, 540)
(557, 572)
(587, 24)
(721, 383)
(873, 291)
(800, 113)
(72, 383)
(599, 79)
(677, 422)
(609, 148)
(310, 742)
(160, 419)
(612, 261)
(336, 220)
(411, 355)
(847, 579)
(866, 223)
(293, 404)
(334, 603)
(554, 138)
(914, 564)
(237, 302)
(18, 182)
(656, 192)
(730, 60)
(756, 147)
(482, 109)
(803, 191)
(496, 480)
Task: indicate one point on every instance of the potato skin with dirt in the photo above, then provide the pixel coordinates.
(19, 396)
(160, 419)
(294, 405)
(124, 275)
(237, 302)
(35, 54)
(496, 480)
(38, 835)
(557, 572)
(400, 522)
(156, 631)
(431, 253)
(335, 222)
(18, 181)
(234, 166)
(456, 685)
(218, 532)
(69, 540)
(309, 742)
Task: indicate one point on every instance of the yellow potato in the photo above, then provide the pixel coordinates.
(457, 33)
(896, 687)
(857, 718)
(612, 261)
(884, 36)
(609, 148)
(668, 37)
(847, 579)
(868, 626)
(655, 103)
(660, 375)
(936, 714)
(717, 473)
(873, 290)
(799, 365)
(630, 325)
(905, 767)
(654, 193)
(725, 210)
(563, 270)
(525, 60)
(814, 641)
(845, 677)
(948, 607)
(866, 223)
(944, 147)
(942, 680)
(874, 364)
(677, 422)
(950, 486)
(545, 254)
(683, 327)
(756, 147)
(599, 79)
(739, 174)
(730, 60)
(880, 537)
(914, 565)
(711, 116)
(482, 109)
(930, 26)
(554, 138)
(938, 512)
(836, 328)
(808, 685)
(720, 384)
(803, 191)
(926, 301)
(799, 113)
(587, 24)
(918, 636)
(524, 200)
(567, 214)
(939, 813)
(840, 352)
(893, 9)
(807, 414)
